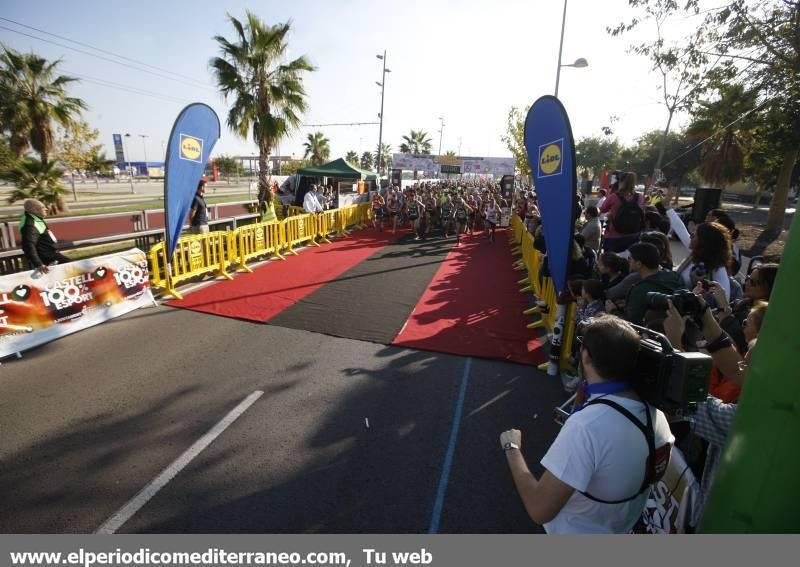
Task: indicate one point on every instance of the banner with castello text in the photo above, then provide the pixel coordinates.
(551, 154)
(37, 308)
(194, 134)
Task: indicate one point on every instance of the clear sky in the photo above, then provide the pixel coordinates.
(468, 61)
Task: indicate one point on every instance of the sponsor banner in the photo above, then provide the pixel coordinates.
(551, 153)
(37, 308)
(193, 136)
(473, 165)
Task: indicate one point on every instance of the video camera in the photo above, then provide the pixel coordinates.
(670, 380)
(684, 301)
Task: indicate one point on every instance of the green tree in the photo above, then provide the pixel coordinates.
(727, 124)
(351, 157)
(317, 148)
(6, 157)
(681, 156)
(35, 179)
(681, 63)
(450, 153)
(228, 166)
(514, 139)
(292, 166)
(366, 161)
(268, 94)
(76, 147)
(416, 142)
(98, 164)
(386, 159)
(33, 97)
(594, 152)
(764, 33)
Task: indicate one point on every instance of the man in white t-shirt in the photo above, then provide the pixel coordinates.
(599, 470)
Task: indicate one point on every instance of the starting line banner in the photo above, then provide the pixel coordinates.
(37, 308)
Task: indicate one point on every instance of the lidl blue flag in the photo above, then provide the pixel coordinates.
(551, 153)
(193, 136)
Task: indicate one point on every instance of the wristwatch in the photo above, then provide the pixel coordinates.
(510, 445)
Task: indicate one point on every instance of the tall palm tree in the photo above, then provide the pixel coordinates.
(352, 157)
(416, 142)
(36, 179)
(366, 160)
(32, 97)
(386, 158)
(268, 94)
(317, 148)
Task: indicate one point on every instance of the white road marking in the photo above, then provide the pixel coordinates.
(125, 513)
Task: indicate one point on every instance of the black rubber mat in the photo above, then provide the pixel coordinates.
(373, 300)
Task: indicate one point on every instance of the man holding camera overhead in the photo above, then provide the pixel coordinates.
(614, 446)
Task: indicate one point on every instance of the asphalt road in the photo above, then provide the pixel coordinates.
(88, 421)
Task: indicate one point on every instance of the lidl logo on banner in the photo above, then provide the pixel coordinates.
(550, 160)
(191, 148)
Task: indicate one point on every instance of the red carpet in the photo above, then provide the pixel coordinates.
(277, 285)
(473, 307)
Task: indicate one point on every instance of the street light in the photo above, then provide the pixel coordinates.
(130, 169)
(144, 147)
(441, 131)
(580, 63)
(382, 85)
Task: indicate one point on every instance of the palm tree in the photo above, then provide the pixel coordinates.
(317, 149)
(268, 94)
(450, 153)
(386, 158)
(36, 179)
(366, 160)
(32, 97)
(351, 157)
(417, 142)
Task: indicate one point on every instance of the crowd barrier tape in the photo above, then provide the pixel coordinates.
(217, 252)
(543, 289)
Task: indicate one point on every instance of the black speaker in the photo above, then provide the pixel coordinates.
(705, 199)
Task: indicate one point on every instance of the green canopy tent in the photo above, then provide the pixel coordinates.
(337, 169)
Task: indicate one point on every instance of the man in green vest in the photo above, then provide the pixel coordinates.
(38, 242)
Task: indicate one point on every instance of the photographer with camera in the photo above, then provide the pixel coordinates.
(612, 448)
(713, 419)
(645, 259)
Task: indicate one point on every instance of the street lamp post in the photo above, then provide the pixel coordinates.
(382, 85)
(579, 63)
(144, 147)
(130, 169)
(441, 132)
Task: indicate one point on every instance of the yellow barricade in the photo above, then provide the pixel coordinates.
(326, 223)
(294, 210)
(299, 229)
(256, 240)
(544, 290)
(195, 255)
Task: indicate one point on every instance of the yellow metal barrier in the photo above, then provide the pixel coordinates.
(299, 229)
(256, 240)
(195, 255)
(544, 291)
(294, 210)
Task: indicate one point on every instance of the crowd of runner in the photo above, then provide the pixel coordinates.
(451, 209)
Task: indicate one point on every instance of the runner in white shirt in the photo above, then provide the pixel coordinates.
(599, 470)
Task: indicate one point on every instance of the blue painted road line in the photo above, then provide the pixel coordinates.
(451, 451)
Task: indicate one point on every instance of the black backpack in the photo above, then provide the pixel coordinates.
(630, 216)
